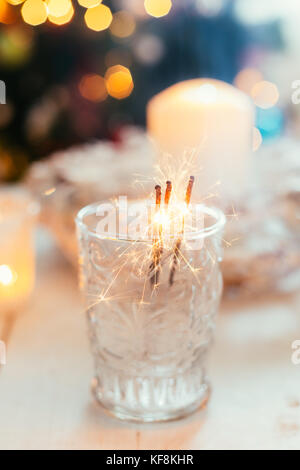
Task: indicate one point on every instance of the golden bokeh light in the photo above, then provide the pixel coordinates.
(257, 139)
(123, 24)
(119, 82)
(89, 3)
(7, 13)
(247, 78)
(58, 8)
(63, 19)
(93, 88)
(98, 18)
(158, 8)
(265, 94)
(34, 12)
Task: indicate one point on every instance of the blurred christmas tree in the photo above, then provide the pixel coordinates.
(80, 70)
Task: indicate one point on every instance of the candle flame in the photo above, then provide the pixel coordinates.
(7, 276)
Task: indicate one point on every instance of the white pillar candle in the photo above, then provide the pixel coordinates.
(213, 119)
(17, 270)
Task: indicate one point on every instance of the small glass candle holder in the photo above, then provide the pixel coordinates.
(150, 329)
(18, 213)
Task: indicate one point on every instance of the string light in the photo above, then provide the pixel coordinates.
(93, 88)
(123, 24)
(98, 18)
(58, 8)
(119, 82)
(34, 12)
(158, 8)
(89, 3)
(61, 20)
(64, 18)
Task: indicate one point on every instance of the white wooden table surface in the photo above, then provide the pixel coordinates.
(45, 402)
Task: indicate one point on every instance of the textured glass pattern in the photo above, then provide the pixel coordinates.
(149, 345)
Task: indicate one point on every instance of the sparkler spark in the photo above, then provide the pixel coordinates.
(164, 238)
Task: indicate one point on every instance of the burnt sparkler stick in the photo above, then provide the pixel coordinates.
(156, 252)
(179, 241)
(158, 197)
(168, 193)
(189, 190)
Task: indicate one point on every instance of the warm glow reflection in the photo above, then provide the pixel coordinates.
(158, 8)
(247, 78)
(265, 94)
(63, 19)
(89, 3)
(6, 275)
(98, 18)
(93, 88)
(119, 82)
(123, 24)
(257, 139)
(34, 12)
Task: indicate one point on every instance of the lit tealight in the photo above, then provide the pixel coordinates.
(34, 12)
(158, 8)
(257, 139)
(7, 276)
(119, 82)
(265, 94)
(93, 88)
(123, 24)
(98, 18)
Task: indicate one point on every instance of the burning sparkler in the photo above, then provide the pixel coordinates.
(157, 249)
(179, 241)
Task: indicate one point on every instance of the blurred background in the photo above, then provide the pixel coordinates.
(81, 70)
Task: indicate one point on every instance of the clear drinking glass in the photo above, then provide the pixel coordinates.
(150, 344)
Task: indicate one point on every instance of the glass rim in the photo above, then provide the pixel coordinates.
(29, 207)
(90, 209)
